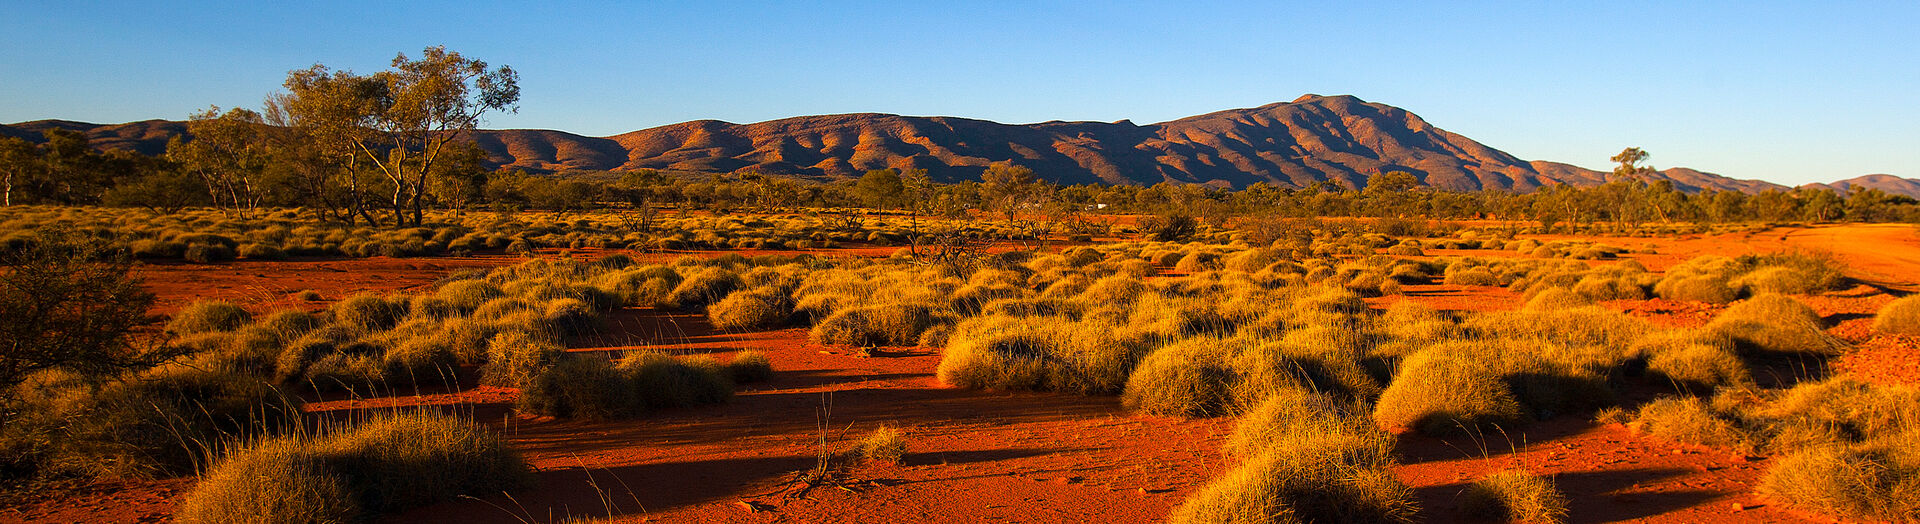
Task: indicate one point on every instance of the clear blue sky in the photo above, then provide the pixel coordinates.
(1791, 93)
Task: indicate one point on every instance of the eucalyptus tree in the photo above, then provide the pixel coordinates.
(398, 123)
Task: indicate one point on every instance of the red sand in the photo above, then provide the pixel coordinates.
(1027, 457)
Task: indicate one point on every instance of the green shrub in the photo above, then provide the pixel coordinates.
(384, 465)
(208, 316)
(1900, 317)
(1514, 496)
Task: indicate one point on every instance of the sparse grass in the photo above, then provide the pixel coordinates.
(1514, 496)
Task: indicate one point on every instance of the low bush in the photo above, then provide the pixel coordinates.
(1700, 368)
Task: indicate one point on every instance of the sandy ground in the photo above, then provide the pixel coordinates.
(1015, 457)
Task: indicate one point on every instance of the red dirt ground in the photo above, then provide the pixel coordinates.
(1027, 457)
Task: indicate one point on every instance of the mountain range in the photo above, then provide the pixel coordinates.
(1291, 144)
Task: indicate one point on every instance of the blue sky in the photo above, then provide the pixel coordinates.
(1786, 92)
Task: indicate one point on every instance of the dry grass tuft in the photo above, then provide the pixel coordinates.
(1900, 317)
(886, 444)
(1514, 496)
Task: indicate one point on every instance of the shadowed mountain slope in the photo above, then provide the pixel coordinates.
(1309, 140)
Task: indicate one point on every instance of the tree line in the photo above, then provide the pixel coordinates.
(379, 149)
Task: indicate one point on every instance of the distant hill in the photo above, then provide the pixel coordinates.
(1293, 144)
(1888, 183)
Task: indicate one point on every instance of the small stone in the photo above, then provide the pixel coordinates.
(1739, 506)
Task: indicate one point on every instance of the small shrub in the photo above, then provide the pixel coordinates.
(1514, 496)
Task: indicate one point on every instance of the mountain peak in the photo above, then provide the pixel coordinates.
(1313, 139)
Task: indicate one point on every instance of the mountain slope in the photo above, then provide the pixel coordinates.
(1309, 140)
(1888, 183)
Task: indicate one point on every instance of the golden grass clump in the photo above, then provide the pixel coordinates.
(368, 312)
(1900, 317)
(1700, 367)
(748, 310)
(1336, 478)
(208, 316)
(1878, 481)
(1038, 353)
(1442, 390)
(878, 325)
(1693, 421)
(581, 387)
(515, 358)
(886, 444)
(750, 366)
(1514, 496)
(1289, 414)
(1190, 378)
(662, 381)
(1775, 325)
(387, 464)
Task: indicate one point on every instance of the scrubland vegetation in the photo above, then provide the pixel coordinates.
(1268, 324)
